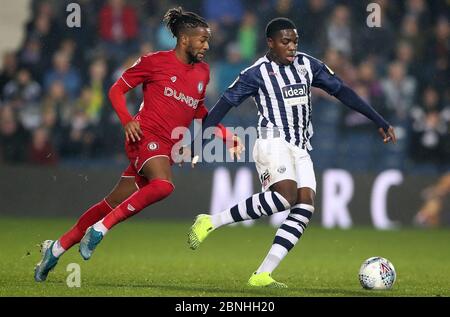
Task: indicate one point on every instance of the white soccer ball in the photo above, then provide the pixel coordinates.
(377, 273)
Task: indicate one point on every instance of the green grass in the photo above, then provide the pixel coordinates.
(145, 258)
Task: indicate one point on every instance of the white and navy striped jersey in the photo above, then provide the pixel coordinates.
(282, 94)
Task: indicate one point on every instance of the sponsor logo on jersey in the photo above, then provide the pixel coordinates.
(173, 78)
(295, 94)
(131, 208)
(191, 102)
(200, 87)
(153, 146)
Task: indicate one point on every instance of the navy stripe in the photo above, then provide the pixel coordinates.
(283, 242)
(303, 212)
(285, 77)
(304, 125)
(235, 214)
(258, 104)
(264, 204)
(264, 122)
(296, 126)
(301, 223)
(268, 103)
(297, 233)
(308, 85)
(278, 202)
(250, 211)
(294, 72)
(280, 100)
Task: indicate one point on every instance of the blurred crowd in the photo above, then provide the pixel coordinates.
(53, 89)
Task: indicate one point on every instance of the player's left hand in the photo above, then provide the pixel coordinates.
(237, 148)
(185, 153)
(388, 135)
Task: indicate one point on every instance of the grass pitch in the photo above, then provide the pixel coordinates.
(152, 258)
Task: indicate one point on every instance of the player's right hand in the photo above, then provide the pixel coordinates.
(388, 135)
(133, 131)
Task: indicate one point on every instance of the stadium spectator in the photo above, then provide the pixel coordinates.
(118, 29)
(8, 70)
(429, 130)
(339, 31)
(22, 91)
(400, 90)
(41, 151)
(63, 71)
(248, 36)
(312, 34)
(98, 86)
(13, 137)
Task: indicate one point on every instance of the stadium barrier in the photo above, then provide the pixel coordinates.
(385, 200)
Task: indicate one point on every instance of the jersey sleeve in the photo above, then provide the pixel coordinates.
(243, 87)
(139, 72)
(324, 78)
(201, 112)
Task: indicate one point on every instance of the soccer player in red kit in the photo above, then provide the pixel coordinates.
(174, 84)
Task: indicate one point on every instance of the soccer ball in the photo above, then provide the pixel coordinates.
(377, 273)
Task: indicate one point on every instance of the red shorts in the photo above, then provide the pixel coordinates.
(140, 152)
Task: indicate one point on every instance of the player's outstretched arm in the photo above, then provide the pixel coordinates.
(211, 119)
(349, 98)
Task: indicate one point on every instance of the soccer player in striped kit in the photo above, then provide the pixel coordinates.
(174, 85)
(280, 84)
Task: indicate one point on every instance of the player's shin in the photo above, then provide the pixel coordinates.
(74, 235)
(155, 190)
(254, 207)
(287, 236)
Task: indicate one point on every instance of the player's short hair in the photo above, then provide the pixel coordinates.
(278, 24)
(178, 20)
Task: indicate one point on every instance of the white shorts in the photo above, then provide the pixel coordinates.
(277, 160)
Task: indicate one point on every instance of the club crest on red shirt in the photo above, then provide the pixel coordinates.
(152, 146)
(200, 87)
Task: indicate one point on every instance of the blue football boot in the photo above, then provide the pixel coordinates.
(89, 242)
(47, 263)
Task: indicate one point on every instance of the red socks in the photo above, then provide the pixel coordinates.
(91, 216)
(155, 190)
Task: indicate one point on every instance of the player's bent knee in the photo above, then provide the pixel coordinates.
(291, 198)
(161, 188)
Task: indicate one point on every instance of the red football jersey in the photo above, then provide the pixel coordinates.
(174, 92)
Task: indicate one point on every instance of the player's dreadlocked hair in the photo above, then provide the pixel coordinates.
(178, 20)
(278, 24)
